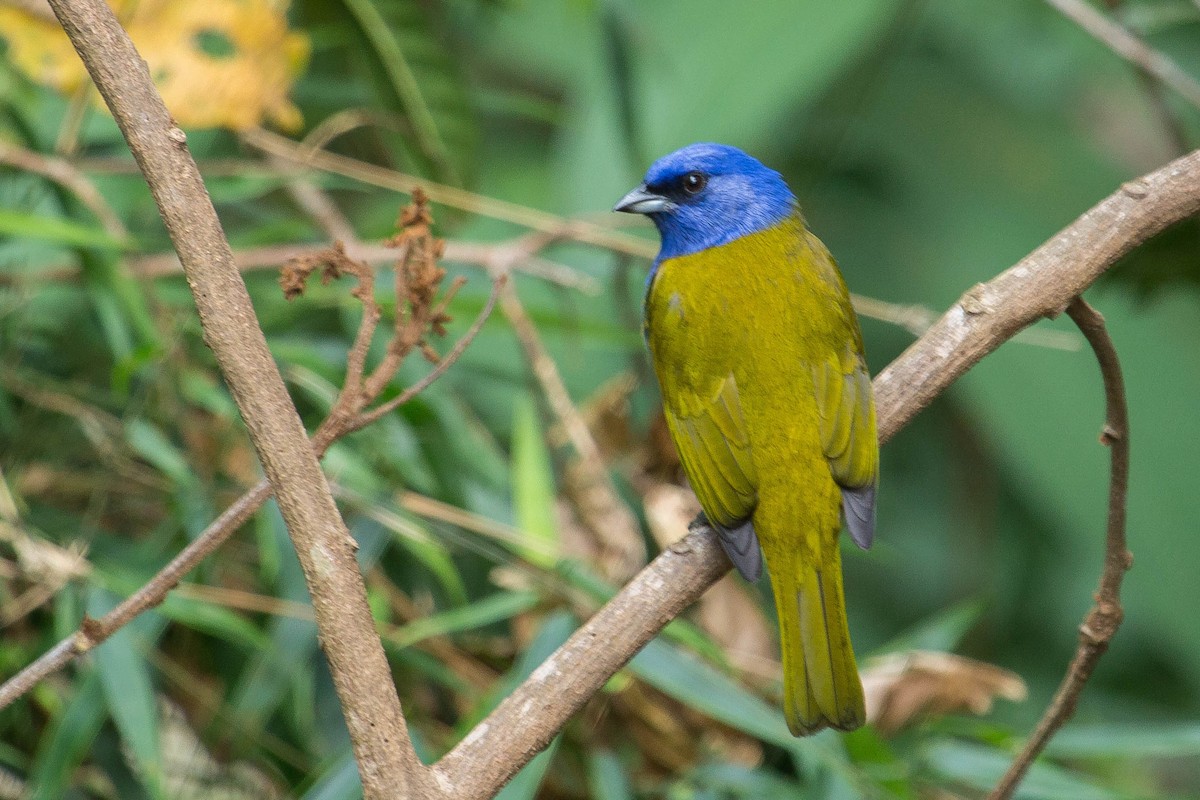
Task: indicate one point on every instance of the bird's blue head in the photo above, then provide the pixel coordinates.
(705, 195)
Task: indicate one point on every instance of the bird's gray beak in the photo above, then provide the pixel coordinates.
(642, 201)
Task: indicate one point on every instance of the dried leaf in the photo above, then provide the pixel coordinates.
(222, 63)
(904, 686)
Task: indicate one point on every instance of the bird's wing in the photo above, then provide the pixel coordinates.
(846, 403)
(710, 434)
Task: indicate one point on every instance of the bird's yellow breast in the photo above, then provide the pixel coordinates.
(764, 308)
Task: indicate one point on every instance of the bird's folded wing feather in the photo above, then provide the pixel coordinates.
(846, 403)
(710, 434)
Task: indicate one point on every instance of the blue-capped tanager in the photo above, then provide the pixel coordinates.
(768, 399)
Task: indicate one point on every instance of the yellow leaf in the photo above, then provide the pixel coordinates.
(220, 63)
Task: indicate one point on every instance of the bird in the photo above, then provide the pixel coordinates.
(766, 393)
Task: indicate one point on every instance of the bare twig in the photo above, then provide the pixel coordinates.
(1130, 47)
(1174, 129)
(455, 353)
(95, 631)
(36, 8)
(475, 253)
(491, 753)
(351, 119)
(318, 205)
(1105, 617)
(454, 197)
(519, 254)
(1043, 284)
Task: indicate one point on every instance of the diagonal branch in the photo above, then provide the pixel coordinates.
(1040, 285)
(1105, 616)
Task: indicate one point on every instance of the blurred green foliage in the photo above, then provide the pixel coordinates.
(932, 144)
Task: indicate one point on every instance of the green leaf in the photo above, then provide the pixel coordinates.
(416, 539)
(68, 739)
(941, 632)
(430, 101)
(129, 691)
(491, 609)
(557, 628)
(606, 778)
(340, 781)
(151, 444)
(56, 229)
(734, 780)
(696, 684)
(1135, 740)
(264, 681)
(214, 620)
(980, 768)
(525, 784)
(533, 483)
(699, 686)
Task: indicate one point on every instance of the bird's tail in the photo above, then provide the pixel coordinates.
(820, 679)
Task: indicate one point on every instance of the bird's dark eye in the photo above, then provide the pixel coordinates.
(694, 182)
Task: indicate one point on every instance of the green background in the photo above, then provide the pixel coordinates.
(932, 144)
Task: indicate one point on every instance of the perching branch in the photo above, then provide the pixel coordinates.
(1040, 285)
(1105, 616)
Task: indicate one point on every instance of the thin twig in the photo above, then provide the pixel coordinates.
(519, 254)
(455, 353)
(318, 205)
(1169, 120)
(1105, 616)
(351, 119)
(1130, 47)
(35, 8)
(270, 257)
(95, 631)
(1040, 285)
(452, 196)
